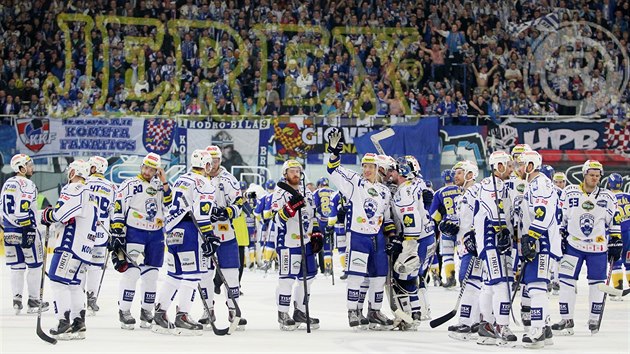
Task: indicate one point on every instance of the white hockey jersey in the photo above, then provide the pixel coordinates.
(77, 210)
(489, 214)
(516, 188)
(466, 205)
(105, 192)
(141, 204)
(539, 210)
(191, 192)
(290, 228)
(589, 218)
(370, 202)
(409, 211)
(18, 203)
(227, 194)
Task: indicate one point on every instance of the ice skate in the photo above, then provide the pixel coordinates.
(534, 339)
(548, 335)
(451, 283)
(564, 328)
(63, 331)
(486, 334)
(355, 321)
(78, 327)
(555, 288)
(146, 318)
(526, 317)
(378, 321)
(241, 321)
(161, 324)
(343, 276)
(33, 306)
(593, 326)
(286, 322)
(300, 318)
(17, 304)
(461, 332)
(505, 336)
(187, 326)
(437, 280)
(91, 303)
(207, 318)
(126, 320)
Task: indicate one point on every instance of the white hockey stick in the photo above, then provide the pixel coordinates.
(380, 136)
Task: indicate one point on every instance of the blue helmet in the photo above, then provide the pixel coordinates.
(270, 184)
(243, 185)
(615, 181)
(547, 171)
(323, 182)
(429, 183)
(447, 176)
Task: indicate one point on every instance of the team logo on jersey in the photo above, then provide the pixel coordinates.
(151, 207)
(34, 133)
(370, 207)
(158, 135)
(587, 222)
(409, 220)
(205, 208)
(602, 203)
(588, 205)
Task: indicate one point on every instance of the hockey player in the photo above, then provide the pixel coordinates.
(22, 242)
(615, 183)
(323, 210)
(540, 242)
(442, 210)
(462, 226)
(77, 210)
(139, 207)
(338, 212)
(416, 240)
(560, 180)
(290, 229)
(548, 171)
(591, 234)
(105, 192)
(188, 246)
(228, 206)
(268, 238)
(370, 215)
(493, 238)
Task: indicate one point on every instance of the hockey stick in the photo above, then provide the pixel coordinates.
(447, 317)
(217, 331)
(601, 314)
(122, 250)
(398, 313)
(100, 283)
(612, 291)
(284, 186)
(380, 136)
(332, 253)
(505, 267)
(40, 333)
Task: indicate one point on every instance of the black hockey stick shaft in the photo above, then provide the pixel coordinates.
(332, 254)
(100, 283)
(284, 186)
(601, 314)
(217, 331)
(447, 317)
(40, 333)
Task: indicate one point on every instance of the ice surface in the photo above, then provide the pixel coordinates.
(263, 336)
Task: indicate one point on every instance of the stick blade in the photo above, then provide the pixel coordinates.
(382, 135)
(609, 290)
(43, 336)
(442, 320)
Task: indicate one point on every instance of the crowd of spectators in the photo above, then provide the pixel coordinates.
(469, 61)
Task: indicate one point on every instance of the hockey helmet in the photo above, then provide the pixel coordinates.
(20, 160)
(323, 182)
(152, 160)
(100, 163)
(467, 166)
(547, 171)
(290, 164)
(532, 157)
(615, 181)
(78, 168)
(215, 152)
(592, 165)
(447, 176)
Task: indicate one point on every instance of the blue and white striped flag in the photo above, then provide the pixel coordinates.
(547, 23)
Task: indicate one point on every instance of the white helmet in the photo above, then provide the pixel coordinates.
(370, 158)
(519, 149)
(499, 157)
(215, 152)
(290, 164)
(559, 176)
(152, 160)
(81, 168)
(20, 160)
(200, 158)
(467, 166)
(99, 162)
(415, 165)
(592, 165)
(531, 156)
(386, 162)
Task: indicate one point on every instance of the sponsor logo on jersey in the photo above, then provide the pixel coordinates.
(520, 188)
(409, 220)
(158, 134)
(223, 227)
(205, 208)
(588, 205)
(587, 222)
(151, 191)
(602, 203)
(371, 191)
(540, 213)
(600, 239)
(359, 262)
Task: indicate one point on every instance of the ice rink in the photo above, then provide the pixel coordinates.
(263, 336)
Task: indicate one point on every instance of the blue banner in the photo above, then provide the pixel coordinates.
(7, 142)
(420, 140)
(562, 135)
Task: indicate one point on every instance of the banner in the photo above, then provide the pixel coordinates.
(463, 143)
(420, 140)
(562, 135)
(44, 137)
(7, 143)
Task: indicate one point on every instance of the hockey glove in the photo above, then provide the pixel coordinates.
(294, 204)
(528, 245)
(219, 214)
(615, 246)
(565, 239)
(334, 142)
(341, 214)
(28, 236)
(210, 244)
(394, 247)
(119, 261)
(317, 242)
(329, 233)
(427, 198)
(47, 216)
(252, 195)
(449, 228)
(470, 243)
(504, 241)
